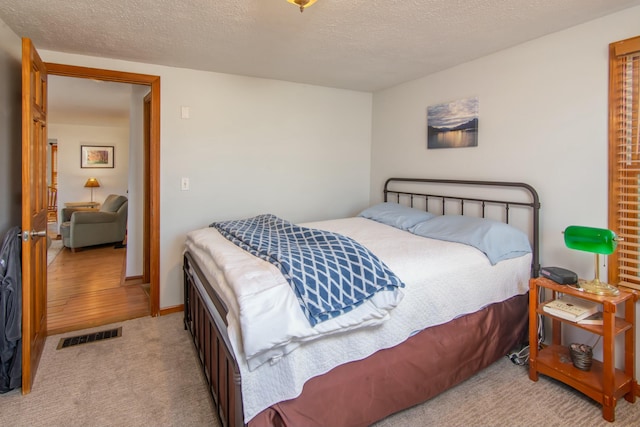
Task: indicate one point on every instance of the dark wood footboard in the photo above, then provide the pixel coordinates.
(212, 345)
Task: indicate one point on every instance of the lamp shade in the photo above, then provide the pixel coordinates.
(92, 183)
(589, 239)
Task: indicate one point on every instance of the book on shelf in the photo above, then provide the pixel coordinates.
(594, 319)
(570, 308)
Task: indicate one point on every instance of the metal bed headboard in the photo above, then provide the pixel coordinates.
(459, 200)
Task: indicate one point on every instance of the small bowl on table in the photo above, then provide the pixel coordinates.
(581, 356)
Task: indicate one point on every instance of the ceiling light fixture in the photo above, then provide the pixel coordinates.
(302, 3)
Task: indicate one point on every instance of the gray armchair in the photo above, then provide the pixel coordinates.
(88, 228)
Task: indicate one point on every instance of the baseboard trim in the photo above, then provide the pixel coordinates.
(169, 310)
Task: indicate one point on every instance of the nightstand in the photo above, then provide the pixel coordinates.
(603, 383)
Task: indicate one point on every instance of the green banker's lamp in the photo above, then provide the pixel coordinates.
(598, 241)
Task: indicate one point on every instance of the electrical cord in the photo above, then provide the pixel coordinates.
(521, 357)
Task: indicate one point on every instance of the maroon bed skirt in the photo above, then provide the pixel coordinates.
(362, 392)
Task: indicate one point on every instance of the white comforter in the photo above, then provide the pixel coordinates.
(271, 320)
(443, 281)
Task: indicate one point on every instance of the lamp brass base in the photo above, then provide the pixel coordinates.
(599, 288)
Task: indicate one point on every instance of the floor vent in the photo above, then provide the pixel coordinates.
(87, 338)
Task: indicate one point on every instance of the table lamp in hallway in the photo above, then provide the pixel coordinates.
(92, 183)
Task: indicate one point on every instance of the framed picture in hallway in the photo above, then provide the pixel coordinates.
(96, 156)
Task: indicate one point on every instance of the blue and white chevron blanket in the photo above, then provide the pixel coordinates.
(330, 274)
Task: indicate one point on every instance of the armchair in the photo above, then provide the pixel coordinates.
(88, 228)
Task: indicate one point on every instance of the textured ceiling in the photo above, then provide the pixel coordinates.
(363, 45)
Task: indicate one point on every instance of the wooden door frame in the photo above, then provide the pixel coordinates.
(152, 236)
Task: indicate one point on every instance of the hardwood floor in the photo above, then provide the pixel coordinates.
(88, 288)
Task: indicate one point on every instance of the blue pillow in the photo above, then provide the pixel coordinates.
(396, 215)
(497, 240)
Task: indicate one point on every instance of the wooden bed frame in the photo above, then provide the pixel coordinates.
(209, 329)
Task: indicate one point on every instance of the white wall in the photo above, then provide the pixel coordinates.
(135, 222)
(251, 146)
(10, 129)
(71, 177)
(542, 120)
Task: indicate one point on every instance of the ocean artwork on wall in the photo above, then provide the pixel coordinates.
(453, 124)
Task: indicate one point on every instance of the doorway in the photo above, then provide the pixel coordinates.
(96, 284)
(150, 203)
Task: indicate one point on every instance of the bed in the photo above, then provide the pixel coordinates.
(407, 351)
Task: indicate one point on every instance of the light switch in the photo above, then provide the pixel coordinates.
(184, 184)
(184, 112)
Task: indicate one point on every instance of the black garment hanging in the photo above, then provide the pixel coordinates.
(11, 311)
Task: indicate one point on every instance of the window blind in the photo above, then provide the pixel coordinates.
(624, 161)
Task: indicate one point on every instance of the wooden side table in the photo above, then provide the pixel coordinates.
(83, 205)
(603, 383)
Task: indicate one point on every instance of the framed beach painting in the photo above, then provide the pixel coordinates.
(453, 124)
(96, 156)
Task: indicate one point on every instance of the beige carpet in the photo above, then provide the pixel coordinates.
(151, 377)
(147, 377)
(503, 396)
